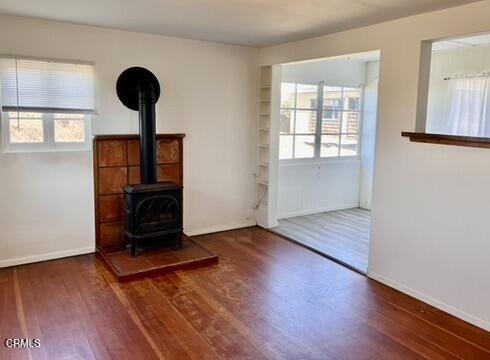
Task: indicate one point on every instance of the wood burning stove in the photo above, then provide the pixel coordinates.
(153, 210)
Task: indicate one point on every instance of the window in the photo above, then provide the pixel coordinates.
(310, 128)
(454, 87)
(46, 105)
(340, 121)
(298, 120)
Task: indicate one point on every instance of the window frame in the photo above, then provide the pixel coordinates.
(294, 109)
(48, 144)
(48, 117)
(318, 125)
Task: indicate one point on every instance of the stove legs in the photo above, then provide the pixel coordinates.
(134, 245)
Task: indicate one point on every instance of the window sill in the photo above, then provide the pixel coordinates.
(456, 140)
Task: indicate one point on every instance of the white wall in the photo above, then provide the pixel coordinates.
(368, 134)
(310, 186)
(430, 202)
(209, 93)
(445, 64)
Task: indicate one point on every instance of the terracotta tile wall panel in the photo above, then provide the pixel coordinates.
(133, 152)
(168, 151)
(111, 207)
(112, 180)
(134, 175)
(112, 233)
(169, 173)
(112, 153)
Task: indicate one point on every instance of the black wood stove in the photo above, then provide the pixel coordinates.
(153, 209)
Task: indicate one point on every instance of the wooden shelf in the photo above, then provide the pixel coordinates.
(264, 133)
(468, 141)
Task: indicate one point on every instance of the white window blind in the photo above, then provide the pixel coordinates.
(46, 86)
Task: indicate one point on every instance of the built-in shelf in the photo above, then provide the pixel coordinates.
(442, 139)
(264, 141)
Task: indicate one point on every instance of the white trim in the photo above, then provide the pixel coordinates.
(47, 256)
(48, 144)
(481, 323)
(219, 228)
(316, 211)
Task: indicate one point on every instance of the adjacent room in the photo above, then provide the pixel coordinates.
(242, 180)
(327, 126)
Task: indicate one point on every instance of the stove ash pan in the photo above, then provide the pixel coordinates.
(153, 211)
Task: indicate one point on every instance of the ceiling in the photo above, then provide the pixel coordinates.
(245, 22)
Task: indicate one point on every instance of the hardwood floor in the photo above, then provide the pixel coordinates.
(267, 299)
(342, 234)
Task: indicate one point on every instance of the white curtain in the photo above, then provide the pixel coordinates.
(468, 106)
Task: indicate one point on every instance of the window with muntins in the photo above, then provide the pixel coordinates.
(318, 121)
(46, 104)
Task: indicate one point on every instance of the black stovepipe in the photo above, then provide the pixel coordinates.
(146, 106)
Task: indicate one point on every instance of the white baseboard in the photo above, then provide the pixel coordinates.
(219, 228)
(47, 256)
(91, 249)
(481, 323)
(316, 211)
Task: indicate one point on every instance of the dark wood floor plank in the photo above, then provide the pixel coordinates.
(233, 295)
(452, 342)
(314, 329)
(61, 333)
(333, 304)
(268, 298)
(223, 332)
(298, 269)
(10, 322)
(429, 331)
(431, 315)
(166, 325)
(96, 304)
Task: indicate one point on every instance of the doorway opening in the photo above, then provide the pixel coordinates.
(326, 125)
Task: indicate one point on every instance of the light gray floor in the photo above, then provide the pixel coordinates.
(342, 234)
